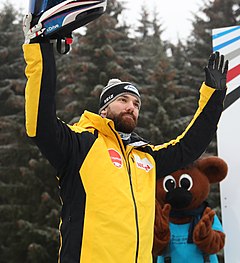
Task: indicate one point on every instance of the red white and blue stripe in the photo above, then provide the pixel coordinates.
(226, 40)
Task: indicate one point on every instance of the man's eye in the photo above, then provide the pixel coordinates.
(136, 105)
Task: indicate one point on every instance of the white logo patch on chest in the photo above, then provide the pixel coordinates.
(143, 164)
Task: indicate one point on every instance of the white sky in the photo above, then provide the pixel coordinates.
(175, 16)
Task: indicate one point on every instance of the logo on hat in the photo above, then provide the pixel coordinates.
(108, 98)
(132, 89)
(115, 158)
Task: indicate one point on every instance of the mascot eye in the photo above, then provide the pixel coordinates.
(169, 183)
(186, 182)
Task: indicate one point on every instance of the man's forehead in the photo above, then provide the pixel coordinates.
(129, 96)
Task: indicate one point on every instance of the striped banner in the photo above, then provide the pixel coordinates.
(227, 42)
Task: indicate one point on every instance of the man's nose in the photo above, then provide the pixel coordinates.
(130, 106)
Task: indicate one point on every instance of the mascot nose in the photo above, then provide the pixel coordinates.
(179, 198)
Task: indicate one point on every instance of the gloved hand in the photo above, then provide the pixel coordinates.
(208, 240)
(216, 71)
(31, 33)
(161, 228)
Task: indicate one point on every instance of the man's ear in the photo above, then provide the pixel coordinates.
(103, 113)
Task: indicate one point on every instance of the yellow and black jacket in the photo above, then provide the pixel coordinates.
(107, 189)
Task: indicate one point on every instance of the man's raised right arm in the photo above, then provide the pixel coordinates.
(42, 124)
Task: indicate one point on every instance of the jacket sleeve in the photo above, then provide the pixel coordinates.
(57, 142)
(42, 124)
(189, 146)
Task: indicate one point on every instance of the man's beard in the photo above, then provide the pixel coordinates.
(122, 124)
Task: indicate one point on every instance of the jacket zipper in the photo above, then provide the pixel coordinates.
(132, 192)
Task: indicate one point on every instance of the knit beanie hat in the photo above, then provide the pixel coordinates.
(114, 89)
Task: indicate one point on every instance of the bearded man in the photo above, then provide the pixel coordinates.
(107, 173)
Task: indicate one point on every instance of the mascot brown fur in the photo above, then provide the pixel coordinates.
(181, 199)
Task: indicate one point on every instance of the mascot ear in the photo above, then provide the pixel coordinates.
(214, 168)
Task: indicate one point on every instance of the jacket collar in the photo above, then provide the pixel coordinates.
(90, 120)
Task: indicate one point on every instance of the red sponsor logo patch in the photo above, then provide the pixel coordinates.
(116, 158)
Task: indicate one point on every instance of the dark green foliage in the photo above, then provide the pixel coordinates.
(29, 205)
(214, 14)
(96, 56)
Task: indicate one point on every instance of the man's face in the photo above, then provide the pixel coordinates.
(124, 112)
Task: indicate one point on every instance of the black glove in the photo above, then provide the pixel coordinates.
(216, 71)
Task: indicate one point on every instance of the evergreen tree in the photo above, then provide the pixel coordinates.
(162, 103)
(101, 53)
(28, 204)
(185, 97)
(214, 14)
